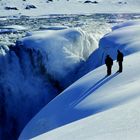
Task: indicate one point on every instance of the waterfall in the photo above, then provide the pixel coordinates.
(25, 87)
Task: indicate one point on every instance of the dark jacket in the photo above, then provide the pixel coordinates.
(108, 61)
(120, 56)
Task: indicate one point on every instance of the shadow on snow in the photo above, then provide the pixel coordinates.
(94, 88)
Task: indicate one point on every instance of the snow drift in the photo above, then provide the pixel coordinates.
(63, 51)
(12, 29)
(112, 113)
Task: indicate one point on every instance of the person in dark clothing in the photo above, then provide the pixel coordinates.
(120, 60)
(109, 63)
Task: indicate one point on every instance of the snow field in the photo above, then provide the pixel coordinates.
(67, 7)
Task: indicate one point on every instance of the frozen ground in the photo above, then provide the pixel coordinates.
(42, 7)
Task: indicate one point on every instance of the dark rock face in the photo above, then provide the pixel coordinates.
(95, 2)
(30, 7)
(88, 1)
(11, 8)
(49, 1)
(120, 2)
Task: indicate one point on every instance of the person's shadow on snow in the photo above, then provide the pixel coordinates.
(93, 88)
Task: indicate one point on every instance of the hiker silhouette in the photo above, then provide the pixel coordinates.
(120, 60)
(109, 63)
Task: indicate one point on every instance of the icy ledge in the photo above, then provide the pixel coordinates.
(63, 50)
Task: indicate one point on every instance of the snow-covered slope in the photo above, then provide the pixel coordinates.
(109, 106)
(42, 7)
